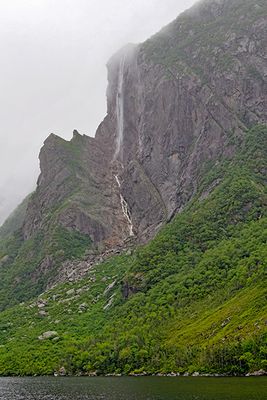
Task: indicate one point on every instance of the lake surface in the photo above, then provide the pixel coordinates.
(141, 388)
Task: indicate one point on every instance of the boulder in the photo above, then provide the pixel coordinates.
(260, 372)
(48, 335)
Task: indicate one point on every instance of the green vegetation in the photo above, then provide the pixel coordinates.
(15, 220)
(28, 266)
(195, 40)
(20, 260)
(193, 299)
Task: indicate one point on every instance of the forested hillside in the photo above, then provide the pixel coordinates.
(192, 300)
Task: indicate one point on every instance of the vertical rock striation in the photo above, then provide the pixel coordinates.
(176, 105)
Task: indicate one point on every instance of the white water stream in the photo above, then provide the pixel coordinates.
(120, 111)
(125, 208)
(119, 148)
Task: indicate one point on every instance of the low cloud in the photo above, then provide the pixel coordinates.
(53, 74)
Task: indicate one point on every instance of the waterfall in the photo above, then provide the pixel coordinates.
(125, 208)
(120, 111)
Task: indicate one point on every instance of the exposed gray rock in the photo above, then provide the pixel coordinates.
(261, 372)
(41, 303)
(42, 313)
(48, 335)
(109, 303)
(171, 112)
(83, 307)
(109, 287)
(70, 292)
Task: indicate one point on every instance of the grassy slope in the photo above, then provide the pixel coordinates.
(199, 287)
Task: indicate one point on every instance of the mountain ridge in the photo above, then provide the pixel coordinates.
(166, 121)
(158, 224)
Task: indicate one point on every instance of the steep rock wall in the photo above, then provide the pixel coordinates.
(176, 105)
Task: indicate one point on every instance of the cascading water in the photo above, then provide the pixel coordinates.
(118, 155)
(125, 208)
(120, 111)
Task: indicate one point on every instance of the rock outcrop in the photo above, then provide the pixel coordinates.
(176, 105)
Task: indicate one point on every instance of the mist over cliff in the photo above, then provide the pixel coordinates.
(143, 249)
(173, 103)
(53, 75)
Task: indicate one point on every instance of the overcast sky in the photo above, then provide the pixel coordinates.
(53, 76)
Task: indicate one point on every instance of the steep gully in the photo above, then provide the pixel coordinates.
(119, 148)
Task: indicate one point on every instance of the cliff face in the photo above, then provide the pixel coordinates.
(76, 190)
(185, 133)
(177, 105)
(192, 91)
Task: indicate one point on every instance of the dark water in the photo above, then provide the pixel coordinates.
(142, 388)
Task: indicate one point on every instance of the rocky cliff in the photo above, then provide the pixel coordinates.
(176, 106)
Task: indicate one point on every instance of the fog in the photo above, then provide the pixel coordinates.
(53, 74)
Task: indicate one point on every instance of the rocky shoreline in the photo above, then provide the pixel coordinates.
(260, 372)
